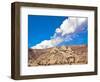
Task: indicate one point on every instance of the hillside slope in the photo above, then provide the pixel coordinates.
(58, 55)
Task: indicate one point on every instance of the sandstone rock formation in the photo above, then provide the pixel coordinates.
(58, 55)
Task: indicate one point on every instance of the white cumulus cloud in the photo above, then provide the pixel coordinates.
(58, 30)
(47, 43)
(43, 44)
(68, 26)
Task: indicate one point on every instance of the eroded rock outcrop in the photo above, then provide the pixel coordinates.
(61, 55)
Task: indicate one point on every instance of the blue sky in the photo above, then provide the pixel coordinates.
(42, 28)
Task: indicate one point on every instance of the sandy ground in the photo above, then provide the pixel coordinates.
(58, 55)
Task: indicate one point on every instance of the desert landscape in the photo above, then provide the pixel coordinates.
(58, 55)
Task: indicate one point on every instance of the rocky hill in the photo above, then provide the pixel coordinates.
(58, 55)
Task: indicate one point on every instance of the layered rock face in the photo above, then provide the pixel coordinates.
(58, 55)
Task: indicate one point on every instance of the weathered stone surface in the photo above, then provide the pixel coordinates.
(59, 55)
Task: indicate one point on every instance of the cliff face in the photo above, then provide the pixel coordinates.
(58, 55)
